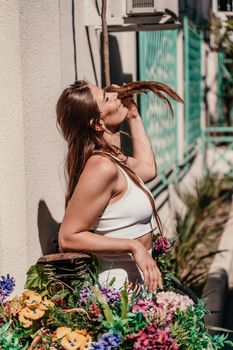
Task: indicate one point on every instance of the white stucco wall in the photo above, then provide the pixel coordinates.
(41, 78)
(13, 239)
(36, 63)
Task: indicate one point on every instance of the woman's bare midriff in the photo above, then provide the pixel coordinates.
(146, 240)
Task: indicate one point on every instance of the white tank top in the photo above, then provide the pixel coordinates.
(130, 217)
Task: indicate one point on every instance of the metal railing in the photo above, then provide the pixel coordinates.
(157, 61)
(193, 84)
(217, 150)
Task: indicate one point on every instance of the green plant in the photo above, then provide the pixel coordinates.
(190, 336)
(199, 230)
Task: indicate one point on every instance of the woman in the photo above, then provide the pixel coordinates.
(108, 209)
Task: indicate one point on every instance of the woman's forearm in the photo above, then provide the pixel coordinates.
(91, 242)
(142, 150)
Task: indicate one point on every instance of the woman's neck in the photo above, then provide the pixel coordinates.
(113, 139)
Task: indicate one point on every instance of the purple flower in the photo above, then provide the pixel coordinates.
(111, 294)
(85, 293)
(108, 341)
(162, 244)
(7, 285)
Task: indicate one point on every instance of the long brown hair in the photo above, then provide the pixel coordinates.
(142, 87)
(78, 116)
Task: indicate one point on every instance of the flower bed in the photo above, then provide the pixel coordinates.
(84, 315)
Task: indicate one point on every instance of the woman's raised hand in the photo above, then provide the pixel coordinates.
(131, 105)
(151, 273)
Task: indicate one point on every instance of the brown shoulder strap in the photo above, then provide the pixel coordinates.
(135, 179)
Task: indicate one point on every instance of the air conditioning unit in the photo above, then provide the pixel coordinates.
(133, 15)
(149, 7)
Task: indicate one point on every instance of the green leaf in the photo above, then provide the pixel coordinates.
(106, 308)
(112, 281)
(124, 301)
(215, 328)
(61, 295)
(35, 278)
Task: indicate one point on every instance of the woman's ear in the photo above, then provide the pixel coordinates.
(97, 125)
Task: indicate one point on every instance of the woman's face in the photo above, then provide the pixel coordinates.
(113, 113)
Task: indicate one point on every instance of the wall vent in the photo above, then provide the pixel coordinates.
(143, 3)
(141, 6)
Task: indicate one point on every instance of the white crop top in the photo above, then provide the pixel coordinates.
(130, 217)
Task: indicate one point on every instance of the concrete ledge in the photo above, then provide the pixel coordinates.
(220, 275)
(214, 295)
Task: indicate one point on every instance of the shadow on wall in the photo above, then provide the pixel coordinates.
(116, 71)
(118, 77)
(48, 229)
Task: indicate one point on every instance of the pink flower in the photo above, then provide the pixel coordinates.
(143, 306)
(162, 244)
(152, 312)
(154, 338)
(171, 301)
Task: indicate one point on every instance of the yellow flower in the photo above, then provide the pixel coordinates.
(85, 340)
(34, 313)
(13, 307)
(24, 320)
(31, 299)
(62, 331)
(88, 344)
(76, 340)
(45, 304)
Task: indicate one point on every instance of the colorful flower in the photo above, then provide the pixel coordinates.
(32, 313)
(154, 338)
(76, 340)
(162, 244)
(1, 321)
(155, 320)
(62, 331)
(31, 299)
(143, 306)
(171, 301)
(108, 341)
(94, 311)
(84, 294)
(13, 306)
(151, 311)
(111, 294)
(24, 320)
(7, 285)
(46, 304)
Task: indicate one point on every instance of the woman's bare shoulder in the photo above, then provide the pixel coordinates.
(101, 167)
